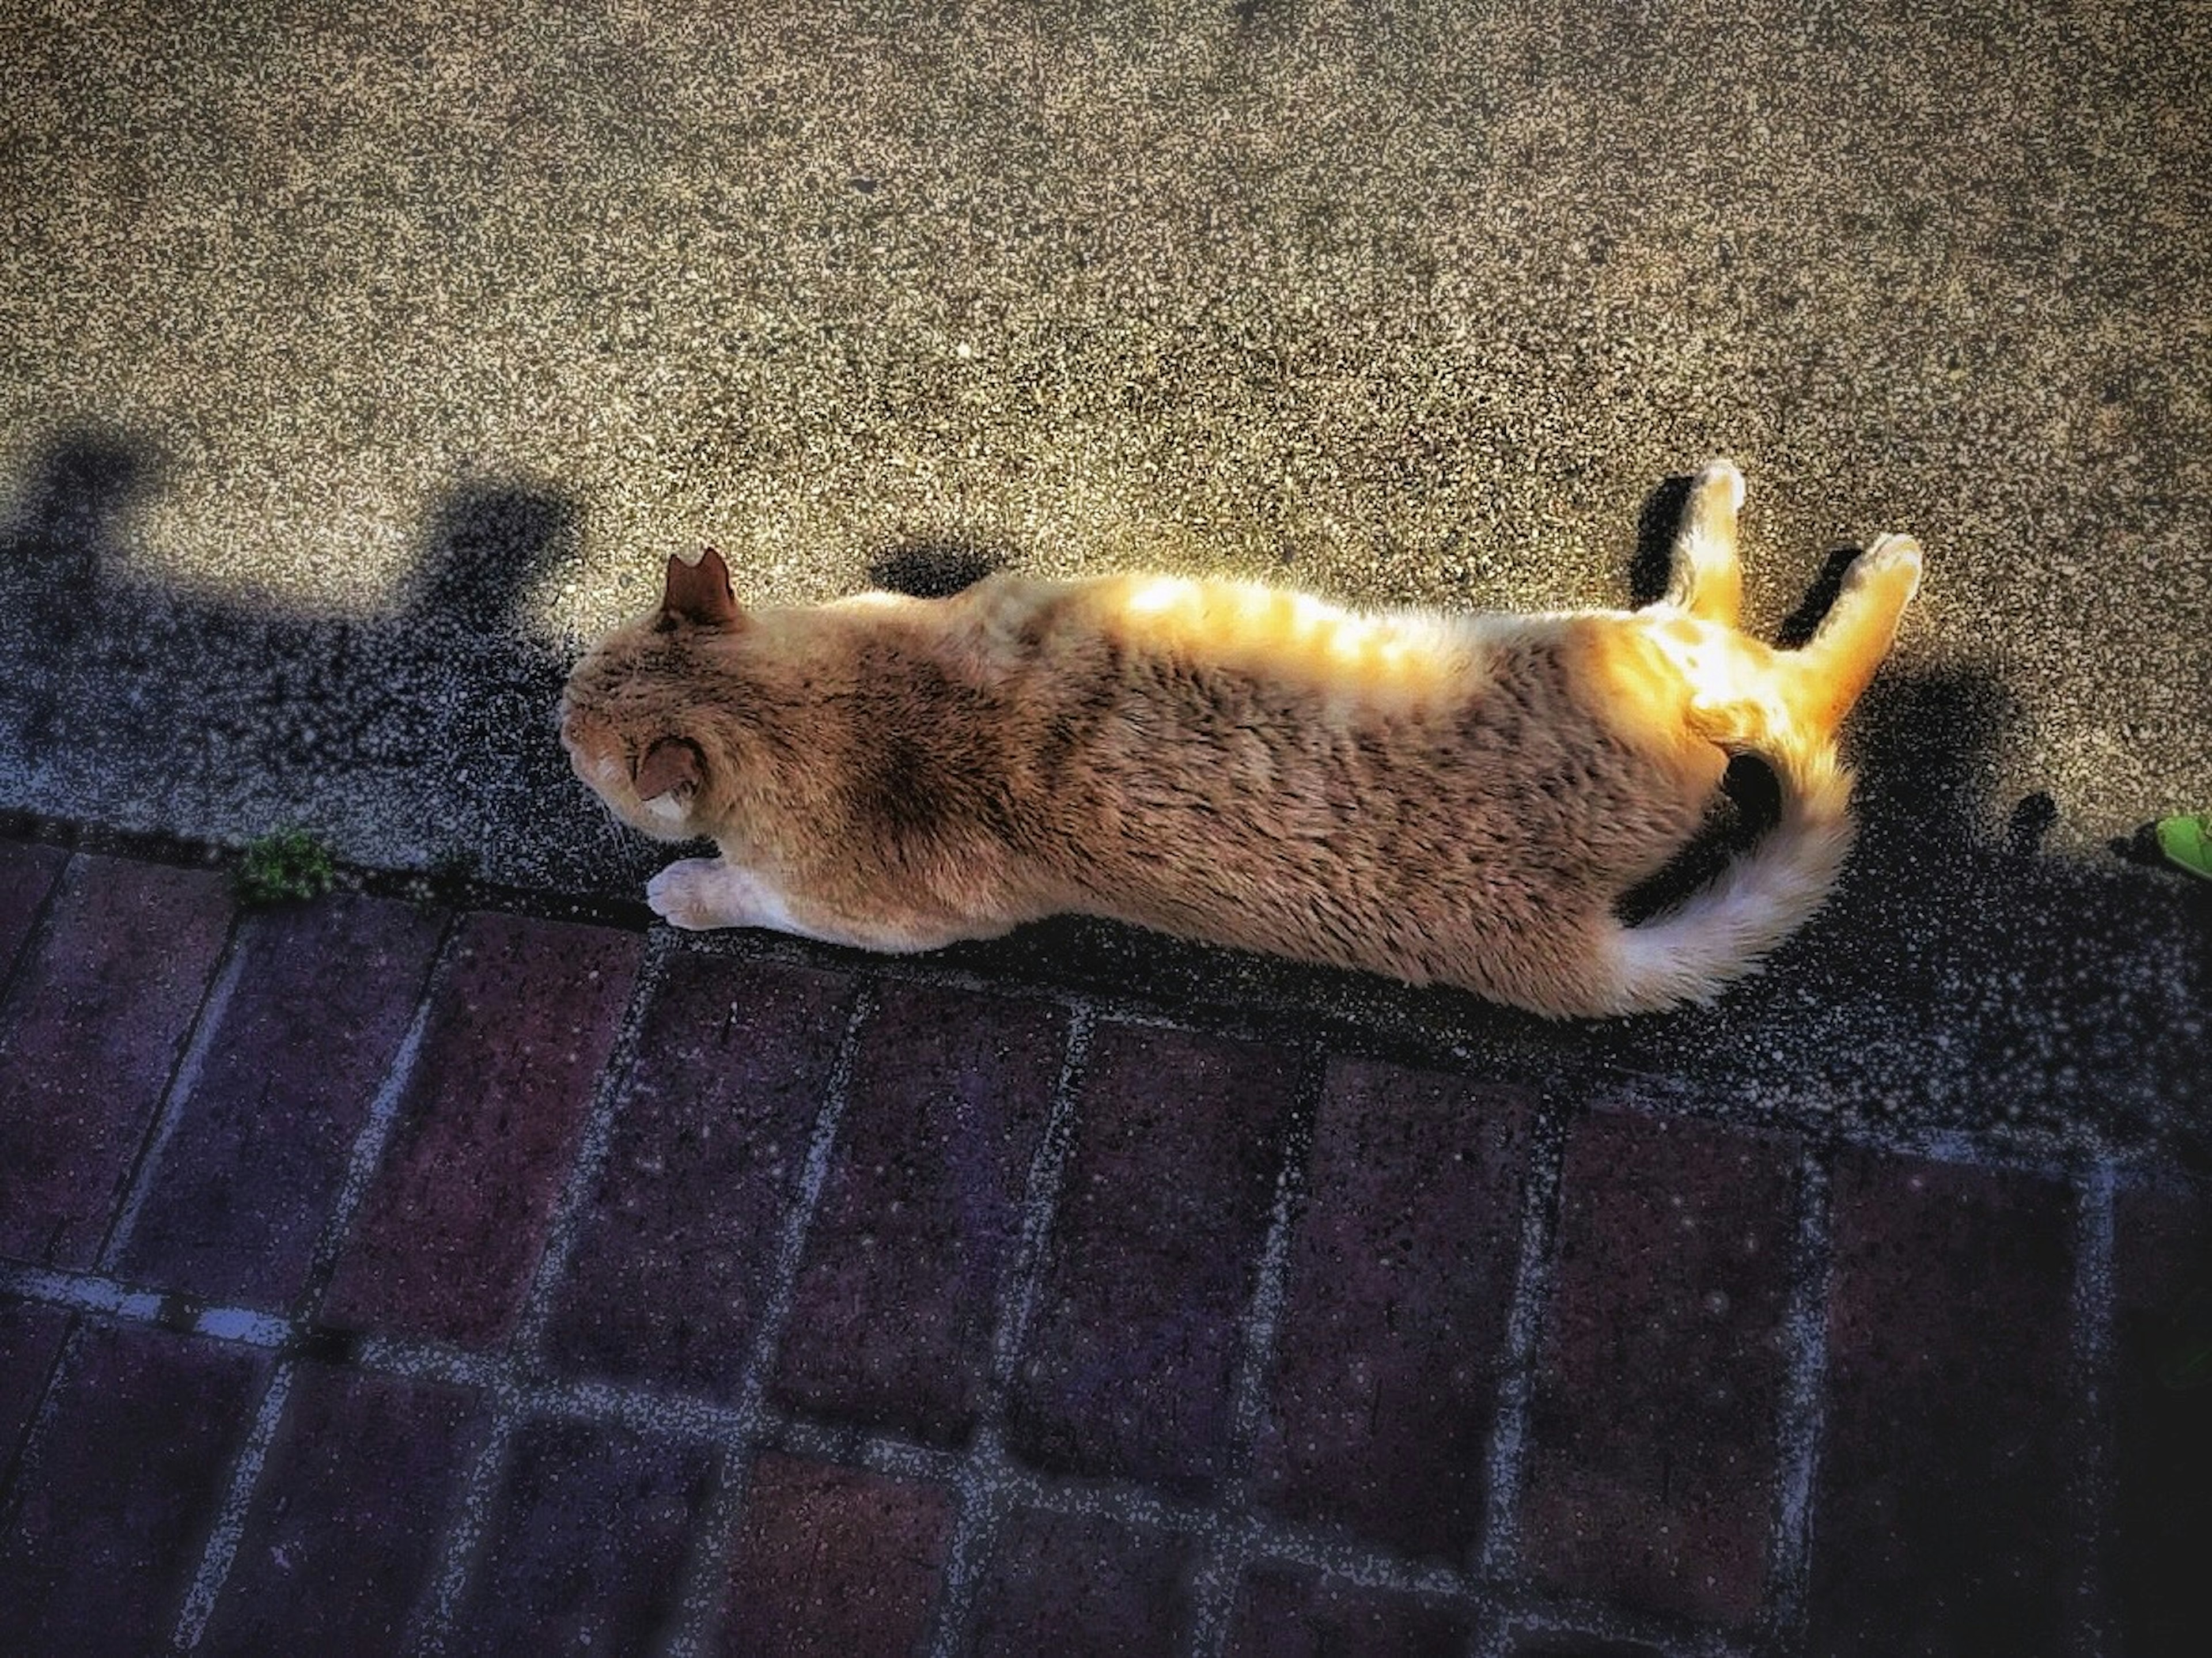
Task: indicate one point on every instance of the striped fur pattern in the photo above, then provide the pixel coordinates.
(1441, 798)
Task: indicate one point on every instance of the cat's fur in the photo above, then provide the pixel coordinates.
(1438, 798)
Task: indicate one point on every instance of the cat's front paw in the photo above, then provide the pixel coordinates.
(686, 893)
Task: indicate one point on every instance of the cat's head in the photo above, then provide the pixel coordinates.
(631, 715)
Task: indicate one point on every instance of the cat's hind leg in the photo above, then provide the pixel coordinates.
(1705, 579)
(1836, 664)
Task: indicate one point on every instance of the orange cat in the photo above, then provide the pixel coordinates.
(1438, 798)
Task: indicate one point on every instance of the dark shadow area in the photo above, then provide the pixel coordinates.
(1747, 806)
(2029, 820)
(1262, 17)
(426, 734)
(68, 523)
(2141, 848)
(487, 545)
(79, 493)
(1653, 560)
(1798, 627)
(934, 569)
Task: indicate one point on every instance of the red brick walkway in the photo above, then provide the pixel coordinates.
(378, 1280)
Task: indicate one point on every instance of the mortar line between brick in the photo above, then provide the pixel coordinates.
(979, 1487)
(1958, 1147)
(1040, 1205)
(221, 1548)
(1490, 1636)
(1323, 1549)
(80, 1292)
(1263, 1315)
(369, 1140)
(1213, 1596)
(457, 1550)
(1801, 1417)
(980, 1506)
(25, 1459)
(183, 1083)
(994, 1486)
(1533, 1613)
(1507, 1451)
(849, 1447)
(35, 936)
(591, 1154)
(715, 1533)
(2093, 1361)
(503, 1379)
(1213, 1602)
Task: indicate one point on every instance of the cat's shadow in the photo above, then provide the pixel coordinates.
(936, 568)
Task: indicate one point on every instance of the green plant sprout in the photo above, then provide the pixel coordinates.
(287, 867)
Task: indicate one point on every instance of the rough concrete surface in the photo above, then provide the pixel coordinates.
(358, 362)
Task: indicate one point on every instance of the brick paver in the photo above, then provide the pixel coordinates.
(1283, 1613)
(922, 1212)
(585, 1547)
(1400, 1283)
(2162, 1262)
(118, 1488)
(246, 1177)
(30, 1338)
(1949, 1443)
(888, 1313)
(1167, 1203)
(833, 1563)
(90, 1031)
(1077, 1585)
(340, 1543)
(452, 1228)
(28, 874)
(705, 1158)
(1553, 1643)
(1651, 1479)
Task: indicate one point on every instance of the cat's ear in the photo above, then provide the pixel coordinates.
(699, 593)
(672, 766)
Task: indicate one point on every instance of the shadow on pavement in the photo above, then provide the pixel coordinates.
(422, 735)
(934, 569)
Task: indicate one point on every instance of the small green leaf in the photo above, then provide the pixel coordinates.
(286, 867)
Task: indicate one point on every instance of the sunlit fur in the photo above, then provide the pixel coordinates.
(1438, 798)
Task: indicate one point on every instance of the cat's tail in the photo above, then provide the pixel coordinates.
(1722, 931)
(1783, 707)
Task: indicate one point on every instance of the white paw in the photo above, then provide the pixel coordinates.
(1893, 552)
(1721, 475)
(684, 894)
